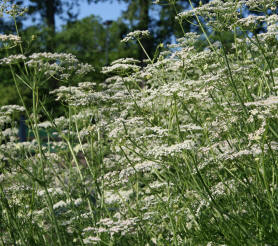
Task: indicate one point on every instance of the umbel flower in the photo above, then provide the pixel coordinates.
(11, 9)
(9, 41)
(62, 66)
(136, 35)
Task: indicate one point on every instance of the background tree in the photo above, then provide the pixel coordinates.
(89, 39)
(48, 10)
(159, 19)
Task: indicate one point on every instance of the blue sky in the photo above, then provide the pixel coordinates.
(106, 10)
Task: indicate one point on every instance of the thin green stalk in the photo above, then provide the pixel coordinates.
(216, 205)
(145, 51)
(233, 84)
(266, 183)
(203, 30)
(53, 217)
(266, 59)
(20, 45)
(177, 118)
(80, 175)
(172, 3)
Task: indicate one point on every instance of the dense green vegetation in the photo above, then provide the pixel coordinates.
(178, 150)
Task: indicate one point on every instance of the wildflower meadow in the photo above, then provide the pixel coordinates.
(180, 151)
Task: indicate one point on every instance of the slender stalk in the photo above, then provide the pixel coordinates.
(145, 51)
(20, 45)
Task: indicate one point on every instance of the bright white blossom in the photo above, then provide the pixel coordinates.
(136, 35)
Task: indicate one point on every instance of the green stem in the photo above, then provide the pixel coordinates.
(145, 51)
(233, 84)
(20, 45)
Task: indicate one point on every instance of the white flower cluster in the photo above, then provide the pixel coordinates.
(9, 132)
(10, 38)
(80, 96)
(108, 225)
(216, 13)
(45, 124)
(59, 65)
(250, 22)
(120, 68)
(111, 197)
(272, 100)
(4, 119)
(13, 10)
(222, 188)
(91, 240)
(164, 151)
(261, 5)
(59, 204)
(10, 109)
(125, 61)
(62, 204)
(146, 166)
(56, 191)
(59, 57)
(136, 35)
(12, 59)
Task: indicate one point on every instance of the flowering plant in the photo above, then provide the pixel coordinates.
(181, 151)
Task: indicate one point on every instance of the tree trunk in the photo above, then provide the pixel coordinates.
(50, 12)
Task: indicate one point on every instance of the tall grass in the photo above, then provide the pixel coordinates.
(180, 152)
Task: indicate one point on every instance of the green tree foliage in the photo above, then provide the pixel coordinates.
(48, 10)
(89, 40)
(159, 19)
